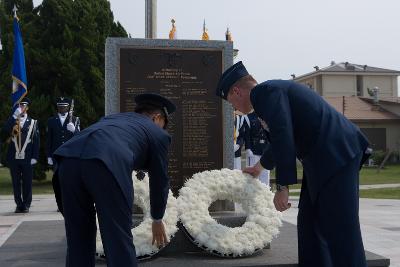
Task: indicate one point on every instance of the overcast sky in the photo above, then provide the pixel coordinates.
(276, 38)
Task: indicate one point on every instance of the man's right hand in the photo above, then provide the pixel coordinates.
(17, 112)
(160, 238)
(255, 170)
(249, 153)
(50, 161)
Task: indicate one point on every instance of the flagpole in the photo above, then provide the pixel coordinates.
(17, 121)
(19, 86)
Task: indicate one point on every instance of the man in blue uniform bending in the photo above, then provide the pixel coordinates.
(331, 149)
(95, 171)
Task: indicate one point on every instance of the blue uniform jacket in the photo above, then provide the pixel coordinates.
(32, 148)
(241, 136)
(256, 137)
(125, 142)
(303, 125)
(58, 134)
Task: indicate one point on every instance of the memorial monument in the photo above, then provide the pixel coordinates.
(187, 72)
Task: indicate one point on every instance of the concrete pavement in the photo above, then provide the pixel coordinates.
(380, 221)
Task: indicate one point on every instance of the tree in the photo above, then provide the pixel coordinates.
(64, 44)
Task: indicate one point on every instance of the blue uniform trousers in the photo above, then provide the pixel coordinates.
(329, 230)
(21, 175)
(86, 184)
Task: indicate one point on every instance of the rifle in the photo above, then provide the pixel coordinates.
(71, 110)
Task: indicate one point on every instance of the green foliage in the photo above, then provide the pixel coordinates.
(64, 53)
(378, 156)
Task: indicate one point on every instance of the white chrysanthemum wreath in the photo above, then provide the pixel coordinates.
(262, 223)
(142, 234)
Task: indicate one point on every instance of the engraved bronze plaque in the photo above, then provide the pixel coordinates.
(188, 77)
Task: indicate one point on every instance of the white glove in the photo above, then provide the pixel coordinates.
(249, 153)
(50, 161)
(236, 147)
(71, 127)
(33, 161)
(17, 112)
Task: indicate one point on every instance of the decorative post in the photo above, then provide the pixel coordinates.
(151, 19)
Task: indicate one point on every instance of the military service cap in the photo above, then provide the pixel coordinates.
(229, 77)
(63, 101)
(25, 101)
(156, 100)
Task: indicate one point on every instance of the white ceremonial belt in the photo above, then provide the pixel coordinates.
(20, 153)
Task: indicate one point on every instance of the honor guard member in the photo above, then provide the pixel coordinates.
(240, 126)
(22, 154)
(60, 128)
(256, 141)
(331, 149)
(95, 174)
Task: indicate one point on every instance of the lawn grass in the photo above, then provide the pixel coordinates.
(38, 187)
(369, 176)
(381, 193)
(388, 175)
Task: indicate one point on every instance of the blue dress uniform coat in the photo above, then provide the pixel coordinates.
(103, 157)
(57, 133)
(330, 148)
(303, 125)
(21, 169)
(256, 137)
(240, 134)
(125, 142)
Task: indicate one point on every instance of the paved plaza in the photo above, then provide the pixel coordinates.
(380, 220)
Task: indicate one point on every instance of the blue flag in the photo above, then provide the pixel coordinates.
(19, 85)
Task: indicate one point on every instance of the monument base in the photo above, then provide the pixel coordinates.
(42, 244)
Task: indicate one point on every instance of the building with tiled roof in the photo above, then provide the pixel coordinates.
(348, 79)
(391, 104)
(381, 126)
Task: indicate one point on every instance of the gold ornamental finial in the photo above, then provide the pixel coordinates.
(172, 32)
(205, 34)
(228, 35)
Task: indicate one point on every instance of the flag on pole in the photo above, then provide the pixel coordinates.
(19, 81)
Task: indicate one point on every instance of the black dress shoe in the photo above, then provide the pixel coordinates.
(19, 210)
(26, 210)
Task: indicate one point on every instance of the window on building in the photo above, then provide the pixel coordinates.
(360, 85)
(376, 137)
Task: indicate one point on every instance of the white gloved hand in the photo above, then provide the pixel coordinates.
(50, 161)
(33, 161)
(17, 112)
(249, 153)
(71, 127)
(236, 147)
